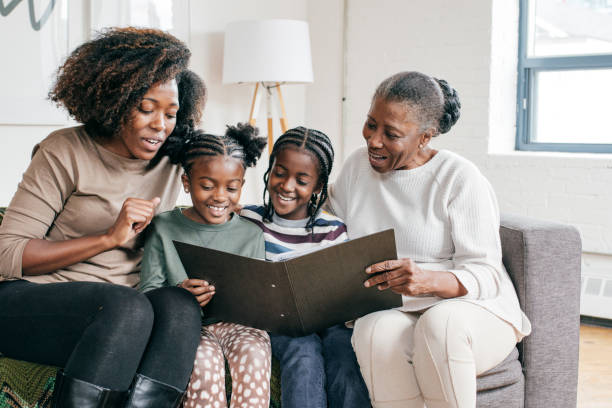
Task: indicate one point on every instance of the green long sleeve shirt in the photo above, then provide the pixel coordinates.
(161, 265)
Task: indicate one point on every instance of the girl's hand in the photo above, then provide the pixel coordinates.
(134, 217)
(402, 276)
(200, 289)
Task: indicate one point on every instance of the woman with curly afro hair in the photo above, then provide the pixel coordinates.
(71, 240)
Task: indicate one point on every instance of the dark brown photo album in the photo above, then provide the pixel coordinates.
(296, 296)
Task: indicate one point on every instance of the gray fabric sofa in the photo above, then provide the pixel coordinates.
(543, 260)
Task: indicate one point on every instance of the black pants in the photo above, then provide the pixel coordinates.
(101, 333)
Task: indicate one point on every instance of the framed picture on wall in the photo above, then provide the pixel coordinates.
(34, 43)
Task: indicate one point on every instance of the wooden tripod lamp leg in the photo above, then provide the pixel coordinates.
(252, 118)
(283, 118)
(270, 124)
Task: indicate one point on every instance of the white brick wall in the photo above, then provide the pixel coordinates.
(473, 45)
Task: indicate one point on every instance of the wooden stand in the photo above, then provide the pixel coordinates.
(267, 86)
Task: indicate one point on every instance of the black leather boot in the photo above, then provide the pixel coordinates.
(147, 392)
(74, 393)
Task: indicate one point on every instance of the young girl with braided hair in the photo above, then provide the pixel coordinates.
(214, 175)
(318, 370)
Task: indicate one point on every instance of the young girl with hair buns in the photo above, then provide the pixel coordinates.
(214, 175)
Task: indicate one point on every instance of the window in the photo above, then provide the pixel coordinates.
(565, 76)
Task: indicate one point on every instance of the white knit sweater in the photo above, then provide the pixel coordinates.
(446, 218)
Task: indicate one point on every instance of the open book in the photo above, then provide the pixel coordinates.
(296, 296)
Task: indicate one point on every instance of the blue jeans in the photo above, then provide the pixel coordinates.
(320, 370)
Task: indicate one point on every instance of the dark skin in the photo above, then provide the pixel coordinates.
(397, 141)
(293, 180)
(215, 184)
(153, 120)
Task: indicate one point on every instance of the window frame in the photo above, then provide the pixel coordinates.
(528, 67)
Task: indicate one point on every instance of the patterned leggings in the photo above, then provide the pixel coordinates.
(248, 355)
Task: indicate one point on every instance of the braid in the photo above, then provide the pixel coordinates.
(199, 144)
(240, 142)
(319, 145)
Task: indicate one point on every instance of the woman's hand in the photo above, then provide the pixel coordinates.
(402, 276)
(134, 217)
(200, 289)
(405, 277)
(41, 256)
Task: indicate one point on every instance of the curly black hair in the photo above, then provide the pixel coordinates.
(319, 146)
(104, 79)
(241, 142)
(435, 102)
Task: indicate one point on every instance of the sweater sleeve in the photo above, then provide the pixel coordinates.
(46, 185)
(474, 220)
(339, 192)
(152, 272)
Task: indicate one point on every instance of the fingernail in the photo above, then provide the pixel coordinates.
(366, 284)
(368, 269)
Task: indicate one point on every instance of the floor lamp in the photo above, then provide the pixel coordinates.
(267, 53)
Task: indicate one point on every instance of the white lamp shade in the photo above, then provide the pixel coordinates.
(267, 51)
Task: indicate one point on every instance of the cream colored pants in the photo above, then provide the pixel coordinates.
(410, 360)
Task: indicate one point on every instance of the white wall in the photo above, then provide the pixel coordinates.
(17, 141)
(358, 43)
(473, 45)
(324, 97)
(227, 104)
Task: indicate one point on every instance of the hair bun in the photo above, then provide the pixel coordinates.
(247, 137)
(452, 106)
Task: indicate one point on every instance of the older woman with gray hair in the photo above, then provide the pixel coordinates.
(460, 314)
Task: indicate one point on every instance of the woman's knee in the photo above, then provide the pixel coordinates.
(175, 308)
(125, 309)
(387, 329)
(442, 325)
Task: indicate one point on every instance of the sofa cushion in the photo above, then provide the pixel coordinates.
(506, 373)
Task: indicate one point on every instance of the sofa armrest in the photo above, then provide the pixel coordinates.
(543, 260)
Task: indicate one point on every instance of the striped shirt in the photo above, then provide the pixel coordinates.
(282, 235)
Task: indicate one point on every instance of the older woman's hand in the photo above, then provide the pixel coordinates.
(405, 277)
(402, 276)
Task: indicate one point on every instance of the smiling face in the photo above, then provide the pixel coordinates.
(393, 136)
(293, 179)
(215, 184)
(150, 123)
